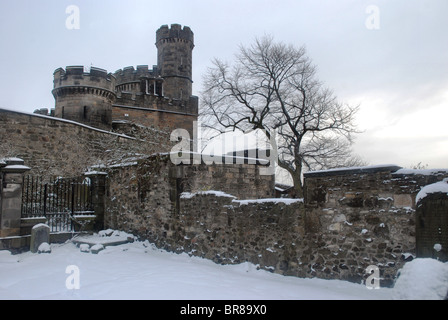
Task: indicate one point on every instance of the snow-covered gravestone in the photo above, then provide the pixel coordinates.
(431, 225)
(40, 234)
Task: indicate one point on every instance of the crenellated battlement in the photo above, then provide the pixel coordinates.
(158, 96)
(130, 74)
(75, 76)
(155, 102)
(85, 97)
(175, 60)
(176, 31)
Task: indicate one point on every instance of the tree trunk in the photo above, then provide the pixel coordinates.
(298, 187)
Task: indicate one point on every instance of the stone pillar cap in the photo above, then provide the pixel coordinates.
(13, 165)
(14, 161)
(94, 173)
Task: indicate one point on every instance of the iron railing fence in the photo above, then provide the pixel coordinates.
(59, 200)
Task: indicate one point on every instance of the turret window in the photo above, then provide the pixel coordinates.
(159, 88)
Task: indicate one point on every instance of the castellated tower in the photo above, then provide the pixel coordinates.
(160, 97)
(174, 60)
(85, 97)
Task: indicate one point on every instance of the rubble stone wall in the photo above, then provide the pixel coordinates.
(348, 221)
(53, 146)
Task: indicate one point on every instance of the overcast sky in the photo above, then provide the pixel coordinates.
(390, 57)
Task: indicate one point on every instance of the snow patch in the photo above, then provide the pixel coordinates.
(94, 172)
(108, 237)
(40, 225)
(349, 169)
(106, 233)
(139, 270)
(7, 257)
(422, 279)
(426, 172)
(189, 195)
(84, 247)
(16, 167)
(44, 247)
(441, 186)
(286, 201)
(96, 248)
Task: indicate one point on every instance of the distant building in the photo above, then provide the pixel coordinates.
(160, 97)
(283, 190)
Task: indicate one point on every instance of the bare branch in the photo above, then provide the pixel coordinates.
(274, 86)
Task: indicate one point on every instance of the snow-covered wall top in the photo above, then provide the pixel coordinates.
(353, 170)
(395, 169)
(368, 186)
(425, 172)
(70, 122)
(60, 147)
(189, 195)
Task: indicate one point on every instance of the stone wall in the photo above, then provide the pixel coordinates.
(219, 227)
(157, 116)
(142, 189)
(53, 146)
(350, 219)
(152, 200)
(366, 216)
(389, 186)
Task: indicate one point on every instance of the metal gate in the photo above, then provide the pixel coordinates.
(59, 200)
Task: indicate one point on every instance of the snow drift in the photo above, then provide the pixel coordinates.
(138, 270)
(422, 279)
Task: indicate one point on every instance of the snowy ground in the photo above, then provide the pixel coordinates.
(139, 271)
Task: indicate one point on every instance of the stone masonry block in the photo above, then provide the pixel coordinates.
(403, 200)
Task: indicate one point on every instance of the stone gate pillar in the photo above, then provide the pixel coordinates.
(2, 165)
(11, 178)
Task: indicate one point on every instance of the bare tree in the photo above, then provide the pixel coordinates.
(274, 87)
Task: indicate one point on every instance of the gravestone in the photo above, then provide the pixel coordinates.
(432, 222)
(40, 233)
